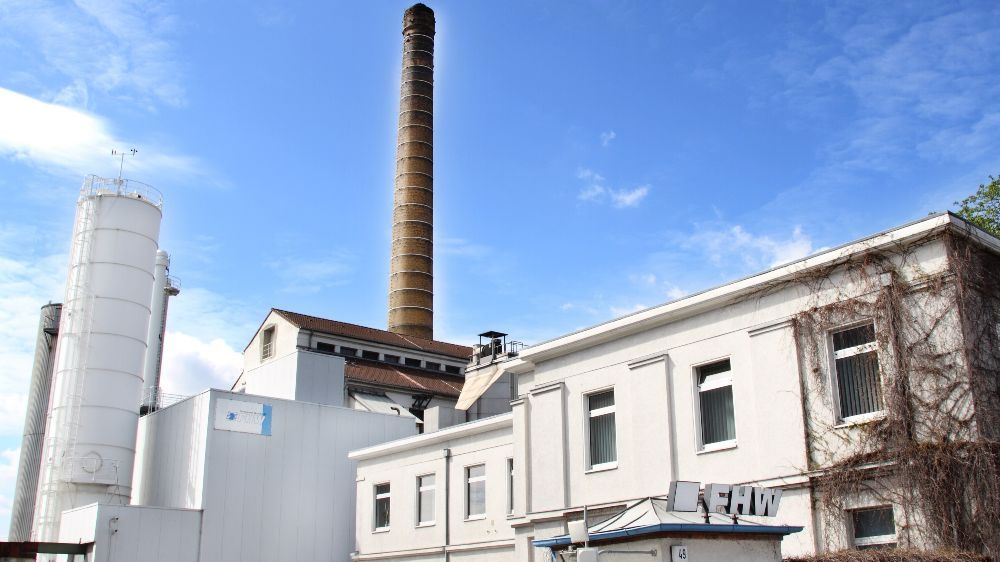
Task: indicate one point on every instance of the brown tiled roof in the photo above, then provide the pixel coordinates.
(398, 376)
(371, 334)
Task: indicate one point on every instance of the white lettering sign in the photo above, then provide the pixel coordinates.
(724, 498)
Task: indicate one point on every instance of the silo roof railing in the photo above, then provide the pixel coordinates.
(96, 185)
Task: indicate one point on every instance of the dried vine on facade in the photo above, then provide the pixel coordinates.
(932, 451)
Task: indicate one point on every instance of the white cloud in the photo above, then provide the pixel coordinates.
(674, 292)
(59, 137)
(595, 191)
(628, 197)
(725, 245)
(120, 48)
(607, 137)
(191, 365)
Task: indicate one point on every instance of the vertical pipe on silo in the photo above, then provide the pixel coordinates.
(163, 289)
(411, 279)
(22, 509)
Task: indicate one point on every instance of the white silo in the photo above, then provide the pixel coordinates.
(164, 287)
(97, 377)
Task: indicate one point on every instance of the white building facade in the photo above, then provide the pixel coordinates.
(781, 380)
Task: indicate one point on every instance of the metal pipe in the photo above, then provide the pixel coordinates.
(22, 510)
(411, 277)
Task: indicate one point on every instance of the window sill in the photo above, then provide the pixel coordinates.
(479, 517)
(861, 419)
(380, 530)
(426, 524)
(601, 467)
(716, 447)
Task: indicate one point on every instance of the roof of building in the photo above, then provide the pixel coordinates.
(650, 516)
(344, 329)
(399, 376)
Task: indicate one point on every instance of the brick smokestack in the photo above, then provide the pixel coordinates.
(411, 278)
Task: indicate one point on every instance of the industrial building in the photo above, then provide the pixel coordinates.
(795, 379)
(681, 428)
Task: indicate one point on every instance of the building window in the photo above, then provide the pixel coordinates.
(715, 400)
(859, 387)
(323, 346)
(475, 491)
(411, 362)
(267, 343)
(874, 528)
(425, 499)
(369, 354)
(432, 366)
(453, 370)
(510, 486)
(601, 426)
(390, 358)
(349, 351)
(381, 506)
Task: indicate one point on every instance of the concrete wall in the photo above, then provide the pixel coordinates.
(705, 549)
(126, 533)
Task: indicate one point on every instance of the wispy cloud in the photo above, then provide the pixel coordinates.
(9, 459)
(61, 138)
(726, 244)
(311, 274)
(595, 191)
(123, 49)
(607, 137)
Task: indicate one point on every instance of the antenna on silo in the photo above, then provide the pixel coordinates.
(121, 159)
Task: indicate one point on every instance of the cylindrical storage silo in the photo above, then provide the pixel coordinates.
(22, 509)
(97, 379)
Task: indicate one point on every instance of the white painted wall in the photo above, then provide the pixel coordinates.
(124, 533)
(287, 496)
(445, 454)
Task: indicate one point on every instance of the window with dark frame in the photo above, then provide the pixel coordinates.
(601, 425)
(365, 354)
(390, 358)
(323, 346)
(874, 528)
(349, 351)
(859, 385)
(432, 366)
(715, 402)
(381, 506)
(453, 369)
(411, 362)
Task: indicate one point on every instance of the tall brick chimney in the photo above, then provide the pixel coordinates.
(411, 278)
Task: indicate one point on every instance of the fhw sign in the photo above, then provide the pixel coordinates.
(724, 498)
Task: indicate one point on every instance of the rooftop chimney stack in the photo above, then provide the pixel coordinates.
(411, 278)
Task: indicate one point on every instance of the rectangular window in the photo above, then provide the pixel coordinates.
(874, 528)
(715, 399)
(411, 362)
(453, 370)
(601, 425)
(369, 354)
(349, 351)
(859, 387)
(381, 506)
(425, 499)
(432, 366)
(475, 491)
(390, 358)
(267, 343)
(510, 486)
(323, 346)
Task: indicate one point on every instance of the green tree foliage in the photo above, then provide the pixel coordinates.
(982, 208)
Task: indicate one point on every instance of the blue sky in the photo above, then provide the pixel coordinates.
(592, 158)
